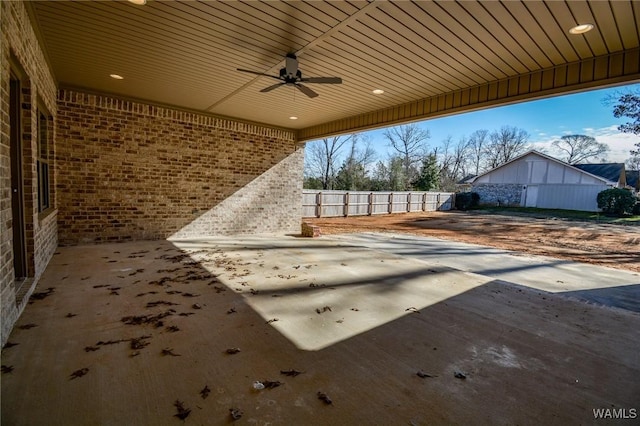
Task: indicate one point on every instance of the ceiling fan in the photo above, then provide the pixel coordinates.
(290, 75)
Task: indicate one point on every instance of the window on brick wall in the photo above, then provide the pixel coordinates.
(44, 157)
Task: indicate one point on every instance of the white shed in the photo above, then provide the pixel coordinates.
(537, 180)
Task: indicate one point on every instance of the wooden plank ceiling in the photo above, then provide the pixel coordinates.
(430, 58)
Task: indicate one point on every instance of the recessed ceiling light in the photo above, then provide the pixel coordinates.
(116, 76)
(293, 117)
(138, 2)
(581, 29)
(377, 91)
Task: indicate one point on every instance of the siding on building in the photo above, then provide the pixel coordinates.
(537, 180)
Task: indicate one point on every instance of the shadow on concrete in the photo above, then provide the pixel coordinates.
(623, 297)
(528, 356)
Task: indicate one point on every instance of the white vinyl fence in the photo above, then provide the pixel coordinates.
(318, 203)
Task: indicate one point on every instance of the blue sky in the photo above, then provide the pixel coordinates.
(545, 120)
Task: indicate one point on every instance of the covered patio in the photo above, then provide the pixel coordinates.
(143, 166)
(118, 333)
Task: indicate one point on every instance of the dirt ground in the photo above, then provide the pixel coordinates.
(615, 246)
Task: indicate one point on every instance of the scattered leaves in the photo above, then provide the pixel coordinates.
(6, 369)
(323, 309)
(235, 413)
(79, 373)
(183, 412)
(144, 294)
(160, 303)
(424, 375)
(412, 309)
(231, 311)
(459, 375)
(172, 328)
(41, 295)
(204, 393)
(91, 348)
(325, 398)
(272, 320)
(27, 326)
(139, 342)
(70, 315)
(147, 319)
(290, 373)
(233, 351)
(268, 384)
(169, 352)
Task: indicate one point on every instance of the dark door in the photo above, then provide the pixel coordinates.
(17, 190)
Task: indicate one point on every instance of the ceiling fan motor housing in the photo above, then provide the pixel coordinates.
(291, 66)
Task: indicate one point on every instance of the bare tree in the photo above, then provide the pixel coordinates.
(476, 148)
(452, 159)
(505, 145)
(353, 172)
(323, 156)
(410, 142)
(578, 148)
(633, 163)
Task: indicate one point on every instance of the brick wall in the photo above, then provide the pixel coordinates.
(19, 49)
(129, 171)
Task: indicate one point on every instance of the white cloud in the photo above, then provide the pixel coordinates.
(619, 143)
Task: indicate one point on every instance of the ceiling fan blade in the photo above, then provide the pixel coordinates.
(270, 88)
(304, 89)
(258, 73)
(322, 80)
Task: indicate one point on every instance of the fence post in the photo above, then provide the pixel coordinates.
(424, 201)
(346, 204)
(438, 202)
(370, 203)
(409, 202)
(319, 204)
(390, 202)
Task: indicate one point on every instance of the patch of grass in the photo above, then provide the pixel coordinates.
(562, 214)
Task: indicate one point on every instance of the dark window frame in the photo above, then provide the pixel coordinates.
(43, 157)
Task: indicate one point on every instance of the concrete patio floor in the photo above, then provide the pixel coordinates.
(130, 329)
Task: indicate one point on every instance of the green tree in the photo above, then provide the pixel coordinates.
(380, 178)
(628, 105)
(429, 177)
(398, 180)
(616, 201)
(311, 182)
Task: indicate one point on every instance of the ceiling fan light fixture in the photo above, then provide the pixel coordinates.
(377, 91)
(116, 76)
(138, 2)
(293, 117)
(581, 29)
